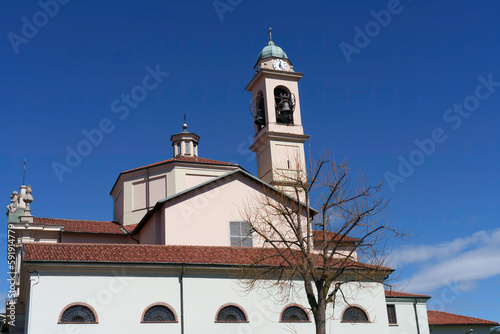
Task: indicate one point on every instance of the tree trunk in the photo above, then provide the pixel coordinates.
(320, 316)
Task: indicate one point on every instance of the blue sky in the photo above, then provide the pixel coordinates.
(374, 95)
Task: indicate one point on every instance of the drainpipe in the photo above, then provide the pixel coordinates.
(416, 315)
(147, 189)
(30, 296)
(182, 298)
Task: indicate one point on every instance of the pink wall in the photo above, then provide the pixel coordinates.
(68, 237)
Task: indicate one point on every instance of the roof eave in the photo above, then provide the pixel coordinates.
(167, 163)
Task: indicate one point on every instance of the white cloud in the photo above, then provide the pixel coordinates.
(413, 254)
(3, 297)
(461, 262)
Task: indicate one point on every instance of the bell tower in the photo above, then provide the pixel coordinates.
(275, 106)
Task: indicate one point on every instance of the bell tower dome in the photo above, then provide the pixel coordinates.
(275, 106)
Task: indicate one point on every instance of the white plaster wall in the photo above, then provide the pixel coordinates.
(204, 296)
(46, 236)
(120, 297)
(95, 238)
(368, 296)
(118, 300)
(37, 234)
(405, 315)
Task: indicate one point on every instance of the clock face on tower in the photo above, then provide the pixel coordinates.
(280, 65)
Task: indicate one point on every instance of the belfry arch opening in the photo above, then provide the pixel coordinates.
(259, 110)
(284, 105)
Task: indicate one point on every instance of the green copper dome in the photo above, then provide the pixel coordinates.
(271, 50)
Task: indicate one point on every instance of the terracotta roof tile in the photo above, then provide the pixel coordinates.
(130, 228)
(438, 318)
(390, 293)
(331, 236)
(185, 159)
(88, 226)
(126, 253)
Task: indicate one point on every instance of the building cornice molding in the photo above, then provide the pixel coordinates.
(273, 74)
(281, 136)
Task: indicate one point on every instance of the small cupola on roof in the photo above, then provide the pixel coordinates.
(185, 143)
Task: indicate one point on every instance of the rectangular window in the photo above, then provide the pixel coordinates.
(391, 313)
(241, 234)
(187, 148)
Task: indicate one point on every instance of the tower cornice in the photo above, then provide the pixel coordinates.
(280, 136)
(273, 74)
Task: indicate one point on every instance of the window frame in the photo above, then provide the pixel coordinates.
(393, 306)
(159, 322)
(231, 322)
(296, 321)
(90, 308)
(355, 322)
(240, 237)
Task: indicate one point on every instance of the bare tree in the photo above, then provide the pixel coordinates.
(343, 241)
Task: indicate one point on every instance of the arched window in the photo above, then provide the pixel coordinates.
(284, 105)
(159, 313)
(78, 313)
(231, 313)
(354, 314)
(294, 314)
(258, 109)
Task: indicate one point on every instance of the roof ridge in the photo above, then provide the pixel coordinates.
(78, 220)
(458, 319)
(182, 159)
(74, 244)
(465, 316)
(403, 294)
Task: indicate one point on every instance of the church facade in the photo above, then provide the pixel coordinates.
(169, 261)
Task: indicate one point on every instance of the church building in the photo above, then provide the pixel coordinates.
(169, 260)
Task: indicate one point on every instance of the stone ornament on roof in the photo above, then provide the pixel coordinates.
(21, 200)
(14, 202)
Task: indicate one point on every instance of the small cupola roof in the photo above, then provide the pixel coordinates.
(271, 50)
(185, 143)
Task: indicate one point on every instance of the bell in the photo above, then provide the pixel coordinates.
(285, 108)
(260, 118)
(285, 111)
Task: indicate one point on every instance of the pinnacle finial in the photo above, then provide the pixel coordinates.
(24, 171)
(184, 126)
(270, 36)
